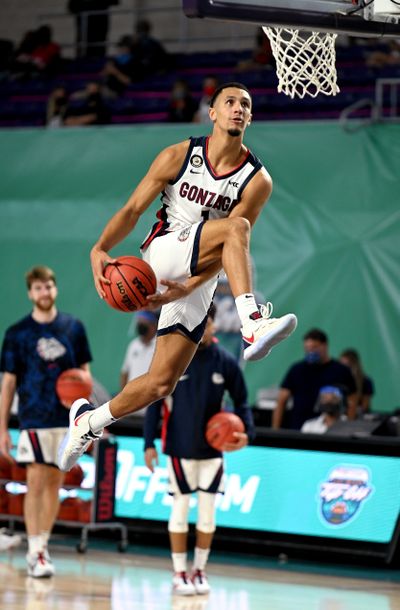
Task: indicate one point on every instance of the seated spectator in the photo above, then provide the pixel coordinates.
(87, 107)
(210, 83)
(381, 59)
(37, 54)
(56, 107)
(137, 57)
(182, 105)
(364, 384)
(262, 56)
(331, 406)
(120, 70)
(305, 378)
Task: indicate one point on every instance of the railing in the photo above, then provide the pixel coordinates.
(227, 35)
(384, 107)
(390, 111)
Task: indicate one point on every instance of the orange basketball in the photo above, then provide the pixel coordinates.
(73, 384)
(74, 477)
(220, 429)
(132, 280)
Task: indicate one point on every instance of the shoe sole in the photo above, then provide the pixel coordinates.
(66, 439)
(263, 346)
(44, 575)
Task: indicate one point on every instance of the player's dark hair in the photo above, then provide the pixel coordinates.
(40, 273)
(226, 86)
(316, 335)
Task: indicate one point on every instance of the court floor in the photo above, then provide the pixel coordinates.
(104, 579)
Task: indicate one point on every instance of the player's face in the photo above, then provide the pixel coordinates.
(43, 294)
(232, 110)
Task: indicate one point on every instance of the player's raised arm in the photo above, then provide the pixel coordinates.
(164, 168)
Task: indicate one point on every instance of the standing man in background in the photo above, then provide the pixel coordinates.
(194, 466)
(35, 351)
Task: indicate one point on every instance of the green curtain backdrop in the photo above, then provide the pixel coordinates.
(326, 246)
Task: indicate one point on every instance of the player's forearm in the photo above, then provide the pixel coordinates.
(6, 399)
(352, 406)
(120, 225)
(197, 280)
(277, 415)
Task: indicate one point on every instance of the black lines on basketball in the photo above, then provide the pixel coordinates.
(131, 281)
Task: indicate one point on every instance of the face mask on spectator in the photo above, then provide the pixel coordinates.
(142, 329)
(313, 357)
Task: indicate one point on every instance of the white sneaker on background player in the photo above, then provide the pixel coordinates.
(200, 581)
(39, 566)
(260, 335)
(79, 435)
(8, 541)
(182, 584)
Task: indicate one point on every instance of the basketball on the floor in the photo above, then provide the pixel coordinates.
(220, 429)
(73, 384)
(132, 281)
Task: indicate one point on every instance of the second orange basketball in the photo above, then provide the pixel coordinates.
(132, 281)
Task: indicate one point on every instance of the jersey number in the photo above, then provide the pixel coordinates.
(205, 214)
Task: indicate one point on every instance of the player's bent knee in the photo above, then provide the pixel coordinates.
(239, 225)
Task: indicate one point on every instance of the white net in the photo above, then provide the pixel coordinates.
(305, 61)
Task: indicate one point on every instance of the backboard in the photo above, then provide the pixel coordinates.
(353, 17)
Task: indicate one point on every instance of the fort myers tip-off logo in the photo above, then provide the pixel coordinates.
(343, 493)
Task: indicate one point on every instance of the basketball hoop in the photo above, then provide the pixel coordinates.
(305, 61)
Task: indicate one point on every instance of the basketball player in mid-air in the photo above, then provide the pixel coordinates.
(213, 190)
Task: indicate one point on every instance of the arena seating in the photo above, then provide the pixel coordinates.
(23, 103)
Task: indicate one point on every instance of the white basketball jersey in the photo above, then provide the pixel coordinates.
(198, 193)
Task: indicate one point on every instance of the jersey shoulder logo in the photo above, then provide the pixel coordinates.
(196, 161)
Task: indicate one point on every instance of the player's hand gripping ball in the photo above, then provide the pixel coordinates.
(132, 281)
(220, 429)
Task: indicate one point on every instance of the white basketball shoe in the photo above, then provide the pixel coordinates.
(39, 566)
(262, 334)
(79, 435)
(8, 541)
(200, 581)
(182, 585)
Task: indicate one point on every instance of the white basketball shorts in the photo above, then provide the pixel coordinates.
(39, 445)
(174, 256)
(186, 476)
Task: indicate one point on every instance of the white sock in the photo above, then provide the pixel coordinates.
(200, 558)
(45, 539)
(246, 306)
(35, 544)
(179, 561)
(100, 418)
